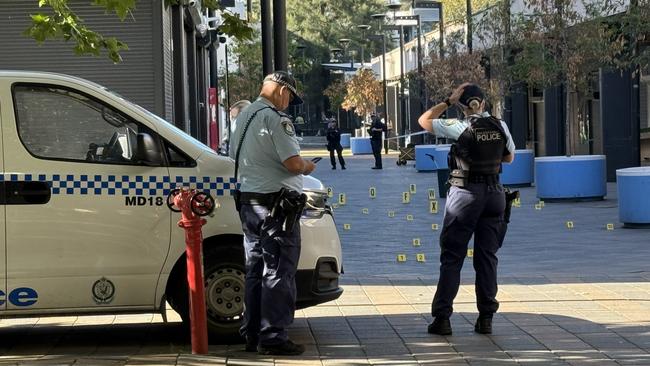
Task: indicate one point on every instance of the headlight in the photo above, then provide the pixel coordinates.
(316, 205)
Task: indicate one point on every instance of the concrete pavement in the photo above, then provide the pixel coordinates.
(576, 296)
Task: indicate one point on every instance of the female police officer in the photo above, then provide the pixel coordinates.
(475, 203)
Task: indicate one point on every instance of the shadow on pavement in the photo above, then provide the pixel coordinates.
(519, 338)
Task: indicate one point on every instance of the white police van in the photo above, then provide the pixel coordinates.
(85, 227)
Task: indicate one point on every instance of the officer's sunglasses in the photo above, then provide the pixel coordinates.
(291, 96)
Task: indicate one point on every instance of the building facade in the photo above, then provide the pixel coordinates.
(614, 122)
(168, 69)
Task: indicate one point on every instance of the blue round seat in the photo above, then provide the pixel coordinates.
(360, 145)
(633, 185)
(423, 162)
(345, 140)
(578, 177)
(521, 172)
(440, 155)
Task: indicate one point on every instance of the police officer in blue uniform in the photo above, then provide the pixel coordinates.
(269, 200)
(475, 203)
(377, 128)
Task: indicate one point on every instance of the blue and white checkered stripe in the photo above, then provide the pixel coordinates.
(125, 185)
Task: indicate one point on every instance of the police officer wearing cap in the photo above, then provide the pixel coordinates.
(475, 203)
(267, 155)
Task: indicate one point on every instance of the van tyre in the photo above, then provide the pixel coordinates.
(224, 277)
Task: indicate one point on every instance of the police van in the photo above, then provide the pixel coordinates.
(85, 226)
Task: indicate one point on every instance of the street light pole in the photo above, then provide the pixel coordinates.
(280, 34)
(394, 7)
(469, 25)
(267, 37)
(363, 28)
(345, 42)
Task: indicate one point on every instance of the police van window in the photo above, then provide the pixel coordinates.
(59, 123)
(177, 158)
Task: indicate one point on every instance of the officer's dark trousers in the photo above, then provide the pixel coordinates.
(477, 209)
(376, 151)
(339, 152)
(271, 264)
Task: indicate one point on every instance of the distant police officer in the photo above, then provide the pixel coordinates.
(270, 203)
(377, 128)
(334, 144)
(475, 203)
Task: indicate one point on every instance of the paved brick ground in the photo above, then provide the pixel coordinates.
(576, 296)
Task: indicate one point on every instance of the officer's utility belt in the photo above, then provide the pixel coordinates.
(460, 178)
(285, 208)
(481, 178)
(261, 199)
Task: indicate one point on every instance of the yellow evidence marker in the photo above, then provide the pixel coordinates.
(330, 192)
(391, 213)
(569, 224)
(541, 203)
(432, 193)
(365, 211)
(538, 206)
(372, 191)
(416, 242)
(406, 197)
(412, 188)
(470, 253)
(434, 226)
(401, 257)
(420, 257)
(346, 226)
(433, 207)
(342, 199)
(409, 217)
(610, 227)
(516, 202)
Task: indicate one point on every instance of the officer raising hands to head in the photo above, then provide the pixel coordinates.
(475, 204)
(270, 203)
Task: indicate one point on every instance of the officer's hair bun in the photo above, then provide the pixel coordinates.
(475, 104)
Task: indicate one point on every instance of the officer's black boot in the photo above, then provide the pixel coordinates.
(483, 324)
(440, 326)
(287, 348)
(251, 344)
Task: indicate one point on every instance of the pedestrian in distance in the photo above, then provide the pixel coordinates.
(377, 128)
(270, 202)
(234, 111)
(475, 203)
(334, 144)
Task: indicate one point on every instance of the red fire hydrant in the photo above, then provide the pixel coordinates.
(193, 204)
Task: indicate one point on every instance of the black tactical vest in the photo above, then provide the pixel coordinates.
(482, 146)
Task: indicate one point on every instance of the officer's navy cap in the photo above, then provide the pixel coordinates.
(471, 92)
(285, 79)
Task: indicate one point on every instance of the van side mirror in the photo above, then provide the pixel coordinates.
(148, 151)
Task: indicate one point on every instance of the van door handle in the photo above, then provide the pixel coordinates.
(26, 193)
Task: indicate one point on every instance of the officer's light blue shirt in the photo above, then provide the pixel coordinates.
(452, 128)
(270, 140)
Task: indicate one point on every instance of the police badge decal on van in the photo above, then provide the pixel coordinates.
(103, 291)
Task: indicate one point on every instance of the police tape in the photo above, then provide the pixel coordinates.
(407, 135)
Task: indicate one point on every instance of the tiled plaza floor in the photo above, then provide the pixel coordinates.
(576, 296)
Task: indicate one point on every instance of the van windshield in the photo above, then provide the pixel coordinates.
(166, 124)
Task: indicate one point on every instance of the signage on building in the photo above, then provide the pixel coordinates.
(429, 11)
(213, 125)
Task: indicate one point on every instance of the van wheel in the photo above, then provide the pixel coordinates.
(224, 278)
(224, 291)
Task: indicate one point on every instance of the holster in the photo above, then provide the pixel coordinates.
(285, 212)
(510, 196)
(236, 195)
(458, 178)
